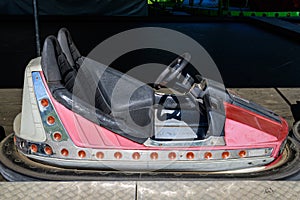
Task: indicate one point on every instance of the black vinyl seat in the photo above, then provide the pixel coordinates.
(55, 65)
(108, 78)
(69, 48)
(122, 103)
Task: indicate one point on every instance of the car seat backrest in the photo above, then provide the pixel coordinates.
(55, 64)
(69, 48)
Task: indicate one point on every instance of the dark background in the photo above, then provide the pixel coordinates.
(247, 53)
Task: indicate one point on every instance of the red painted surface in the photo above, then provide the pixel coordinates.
(246, 128)
(243, 129)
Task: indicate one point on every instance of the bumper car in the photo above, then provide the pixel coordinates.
(81, 120)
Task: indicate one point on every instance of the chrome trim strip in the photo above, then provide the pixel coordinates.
(211, 141)
(45, 112)
(140, 166)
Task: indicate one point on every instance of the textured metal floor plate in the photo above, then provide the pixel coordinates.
(68, 190)
(152, 190)
(219, 190)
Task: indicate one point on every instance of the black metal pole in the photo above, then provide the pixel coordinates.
(36, 27)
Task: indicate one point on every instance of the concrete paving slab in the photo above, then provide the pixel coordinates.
(218, 190)
(68, 190)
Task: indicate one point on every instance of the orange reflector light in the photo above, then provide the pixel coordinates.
(51, 120)
(208, 155)
(225, 154)
(154, 156)
(64, 152)
(242, 153)
(172, 155)
(15, 140)
(100, 155)
(81, 154)
(48, 150)
(136, 155)
(34, 148)
(44, 102)
(118, 155)
(57, 136)
(190, 155)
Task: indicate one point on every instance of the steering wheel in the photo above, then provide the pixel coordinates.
(173, 70)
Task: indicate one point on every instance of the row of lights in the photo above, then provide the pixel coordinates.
(154, 155)
(47, 149)
(264, 14)
(136, 155)
(50, 119)
(56, 136)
